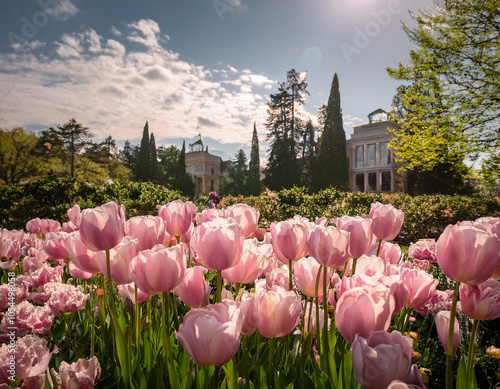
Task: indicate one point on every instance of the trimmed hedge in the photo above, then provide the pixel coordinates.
(425, 216)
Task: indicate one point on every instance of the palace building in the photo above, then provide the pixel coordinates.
(370, 159)
(207, 168)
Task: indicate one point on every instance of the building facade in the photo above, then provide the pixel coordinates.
(370, 158)
(207, 168)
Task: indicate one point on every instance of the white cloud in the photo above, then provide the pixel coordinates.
(62, 10)
(149, 29)
(113, 89)
(115, 31)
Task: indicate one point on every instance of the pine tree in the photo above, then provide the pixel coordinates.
(153, 162)
(308, 156)
(75, 137)
(332, 169)
(129, 155)
(285, 131)
(142, 168)
(254, 184)
(183, 181)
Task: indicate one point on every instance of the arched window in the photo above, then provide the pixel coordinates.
(212, 171)
(212, 184)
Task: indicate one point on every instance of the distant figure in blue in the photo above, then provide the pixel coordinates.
(213, 200)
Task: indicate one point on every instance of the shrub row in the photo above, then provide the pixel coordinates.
(425, 216)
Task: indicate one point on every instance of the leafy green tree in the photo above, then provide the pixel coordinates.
(168, 158)
(423, 141)
(154, 173)
(237, 182)
(489, 174)
(285, 131)
(184, 182)
(128, 156)
(332, 169)
(457, 59)
(18, 160)
(143, 165)
(253, 183)
(309, 156)
(75, 137)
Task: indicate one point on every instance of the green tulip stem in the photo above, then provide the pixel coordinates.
(326, 346)
(137, 312)
(406, 317)
(316, 290)
(218, 295)
(271, 359)
(172, 375)
(472, 346)
(378, 248)
(449, 349)
(290, 275)
(353, 270)
(92, 333)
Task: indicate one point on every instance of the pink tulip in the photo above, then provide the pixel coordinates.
(247, 306)
(42, 226)
(482, 301)
(305, 272)
(424, 249)
(399, 289)
(193, 290)
(82, 374)
(177, 215)
(360, 311)
(360, 234)
(31, 358)
(467, 254)
(289, 239)
(369, 265)
(69, 227)
(120, 261)
(75, 215)
(250, 266)
(277, 312)
(102, 228)
(80, 254)
(14, 291)
(128, 291)
(67, 298)
(381, 358)
(45, 274)
(489, 224)
(386, 221)
(329, 246)
(54, 245)
(390, 253)
(441, 300)
(149, 231)
(28, 318)
(78, 273)
(247, 217)
(442, 320)
(160, 269)
(278, 277)
(208, 214)
(211, 335)
(218, 243)
(421, 287)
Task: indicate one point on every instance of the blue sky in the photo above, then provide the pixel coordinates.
(193, 66)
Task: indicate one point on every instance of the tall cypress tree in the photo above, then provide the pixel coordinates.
(332, 156)
(142, 168)
(153, 160)
(308, 156)
(183, 181)
(254, 184)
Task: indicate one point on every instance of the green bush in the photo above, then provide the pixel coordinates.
(425, 215)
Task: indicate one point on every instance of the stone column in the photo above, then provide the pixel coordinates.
(365, 155)
(353, 158)
(379, 181)
(377, 154)
(366, 181)
(392, 181)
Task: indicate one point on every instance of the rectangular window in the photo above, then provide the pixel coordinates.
(198, 168)
(360, 182)
(372, 181)
(359, 156)
(384, 154)
(371, 155)
(386, 181)
(190, 169)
